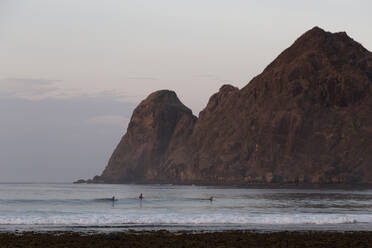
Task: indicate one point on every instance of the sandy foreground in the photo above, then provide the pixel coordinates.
(189, 239)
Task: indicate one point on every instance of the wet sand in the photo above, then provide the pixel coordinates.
(188, 239)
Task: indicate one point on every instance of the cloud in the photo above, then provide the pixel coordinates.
(30, 81)
(211, 77)
(206, 76)
(142, 78)
(41, 88)
(29, 88)
(108, 120)
(119, 96)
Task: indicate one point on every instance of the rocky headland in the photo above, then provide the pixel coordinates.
(306, 119)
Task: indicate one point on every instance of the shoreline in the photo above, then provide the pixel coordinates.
(226, 185)
(162, 238)
(247, 186)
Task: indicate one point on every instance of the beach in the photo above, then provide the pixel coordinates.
(189, 239)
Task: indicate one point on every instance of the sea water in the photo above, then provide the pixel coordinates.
(88, 207)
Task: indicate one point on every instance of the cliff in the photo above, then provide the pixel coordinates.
(307, 118)
(158, 125)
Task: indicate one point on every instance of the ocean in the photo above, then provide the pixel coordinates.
(87, 207)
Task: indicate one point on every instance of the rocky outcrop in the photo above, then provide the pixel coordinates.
(158, 125)
(307, 118)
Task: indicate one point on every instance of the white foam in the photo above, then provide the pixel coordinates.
(191, 219)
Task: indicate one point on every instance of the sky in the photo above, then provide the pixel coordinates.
(72, 71)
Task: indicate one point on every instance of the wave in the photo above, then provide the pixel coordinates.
(57, 201)
(105, 199)
(177, 219)
(40, 201)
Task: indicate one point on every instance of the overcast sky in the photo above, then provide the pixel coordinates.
(72, 71)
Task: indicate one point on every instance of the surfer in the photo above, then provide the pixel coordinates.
(211, 198)
(141, 196)
(113, 198)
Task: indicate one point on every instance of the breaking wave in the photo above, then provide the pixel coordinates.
(177, 219)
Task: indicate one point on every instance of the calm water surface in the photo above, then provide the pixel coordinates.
(87, 207)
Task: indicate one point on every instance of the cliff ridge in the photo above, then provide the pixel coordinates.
(307, 118)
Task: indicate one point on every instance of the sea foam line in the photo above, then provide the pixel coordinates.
(189, 219)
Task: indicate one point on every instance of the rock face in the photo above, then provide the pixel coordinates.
(307, 118)
(158, 125)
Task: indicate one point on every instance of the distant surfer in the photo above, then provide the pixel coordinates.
(140, 197)
(211, 198)
(113, 198)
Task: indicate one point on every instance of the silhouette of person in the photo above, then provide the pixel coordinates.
(141, 196)
(113, 201)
